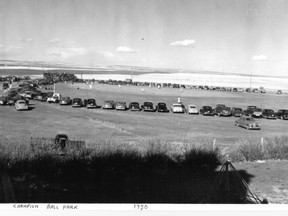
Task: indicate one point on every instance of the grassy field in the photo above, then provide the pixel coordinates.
(102, 125)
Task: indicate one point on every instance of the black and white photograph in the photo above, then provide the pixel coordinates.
(143, 102)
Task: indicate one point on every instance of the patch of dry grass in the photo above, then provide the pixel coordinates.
(273, 148)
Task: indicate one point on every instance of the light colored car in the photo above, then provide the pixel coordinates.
(248, 123)
(192, 109)
(257, 113)
(240, 90)
(55, 98)
(108, 104)
(26, 95)
(21, 105)
(121, 105)
(178, 108)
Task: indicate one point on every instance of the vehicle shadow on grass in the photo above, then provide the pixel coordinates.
(31, 107)
(126, 178)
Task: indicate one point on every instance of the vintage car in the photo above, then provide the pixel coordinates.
(11, 101)
(248, 123)
(282, 114)
(109, 104)
(218, 108)
(226, 111)
(220, 105)
(21, 105)
(77, 102)
(90, 103)
(249, 111)
(206, 110)
(240, 90)
(65, 101)
(192, 109)
(162, 107)
(55, 98)
(3, 100)
(178, 108)
(222, 110)
(26, 95)
(236, 111)
(148, 107)
(257, 113)
(5, 85)
(268, 114)
(121, 105)
(134, 106)
(41, 96)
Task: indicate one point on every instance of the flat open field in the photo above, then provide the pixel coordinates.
(106, 125)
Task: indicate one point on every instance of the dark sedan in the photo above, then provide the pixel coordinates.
(249, 111)
(282, 114)
(90, 103)
(148, 107)
(77, 102)
(134, 106)
(207, 110)
(236, 111)
(65, 101)
(162, 107)
(268, 114)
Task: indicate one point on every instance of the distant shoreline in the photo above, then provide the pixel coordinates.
(24, 70)
(209, 79)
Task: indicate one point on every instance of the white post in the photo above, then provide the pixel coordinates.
(54, 87)
(262, 144)
(214, 144)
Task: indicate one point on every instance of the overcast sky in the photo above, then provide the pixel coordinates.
(242, 36)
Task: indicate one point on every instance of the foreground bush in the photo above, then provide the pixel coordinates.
(109, 174)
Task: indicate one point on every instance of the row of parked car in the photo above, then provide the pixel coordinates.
(219, 110)
(252, 111)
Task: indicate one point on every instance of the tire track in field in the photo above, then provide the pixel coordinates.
(107, 124)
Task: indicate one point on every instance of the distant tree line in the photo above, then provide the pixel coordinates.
(59, 76)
